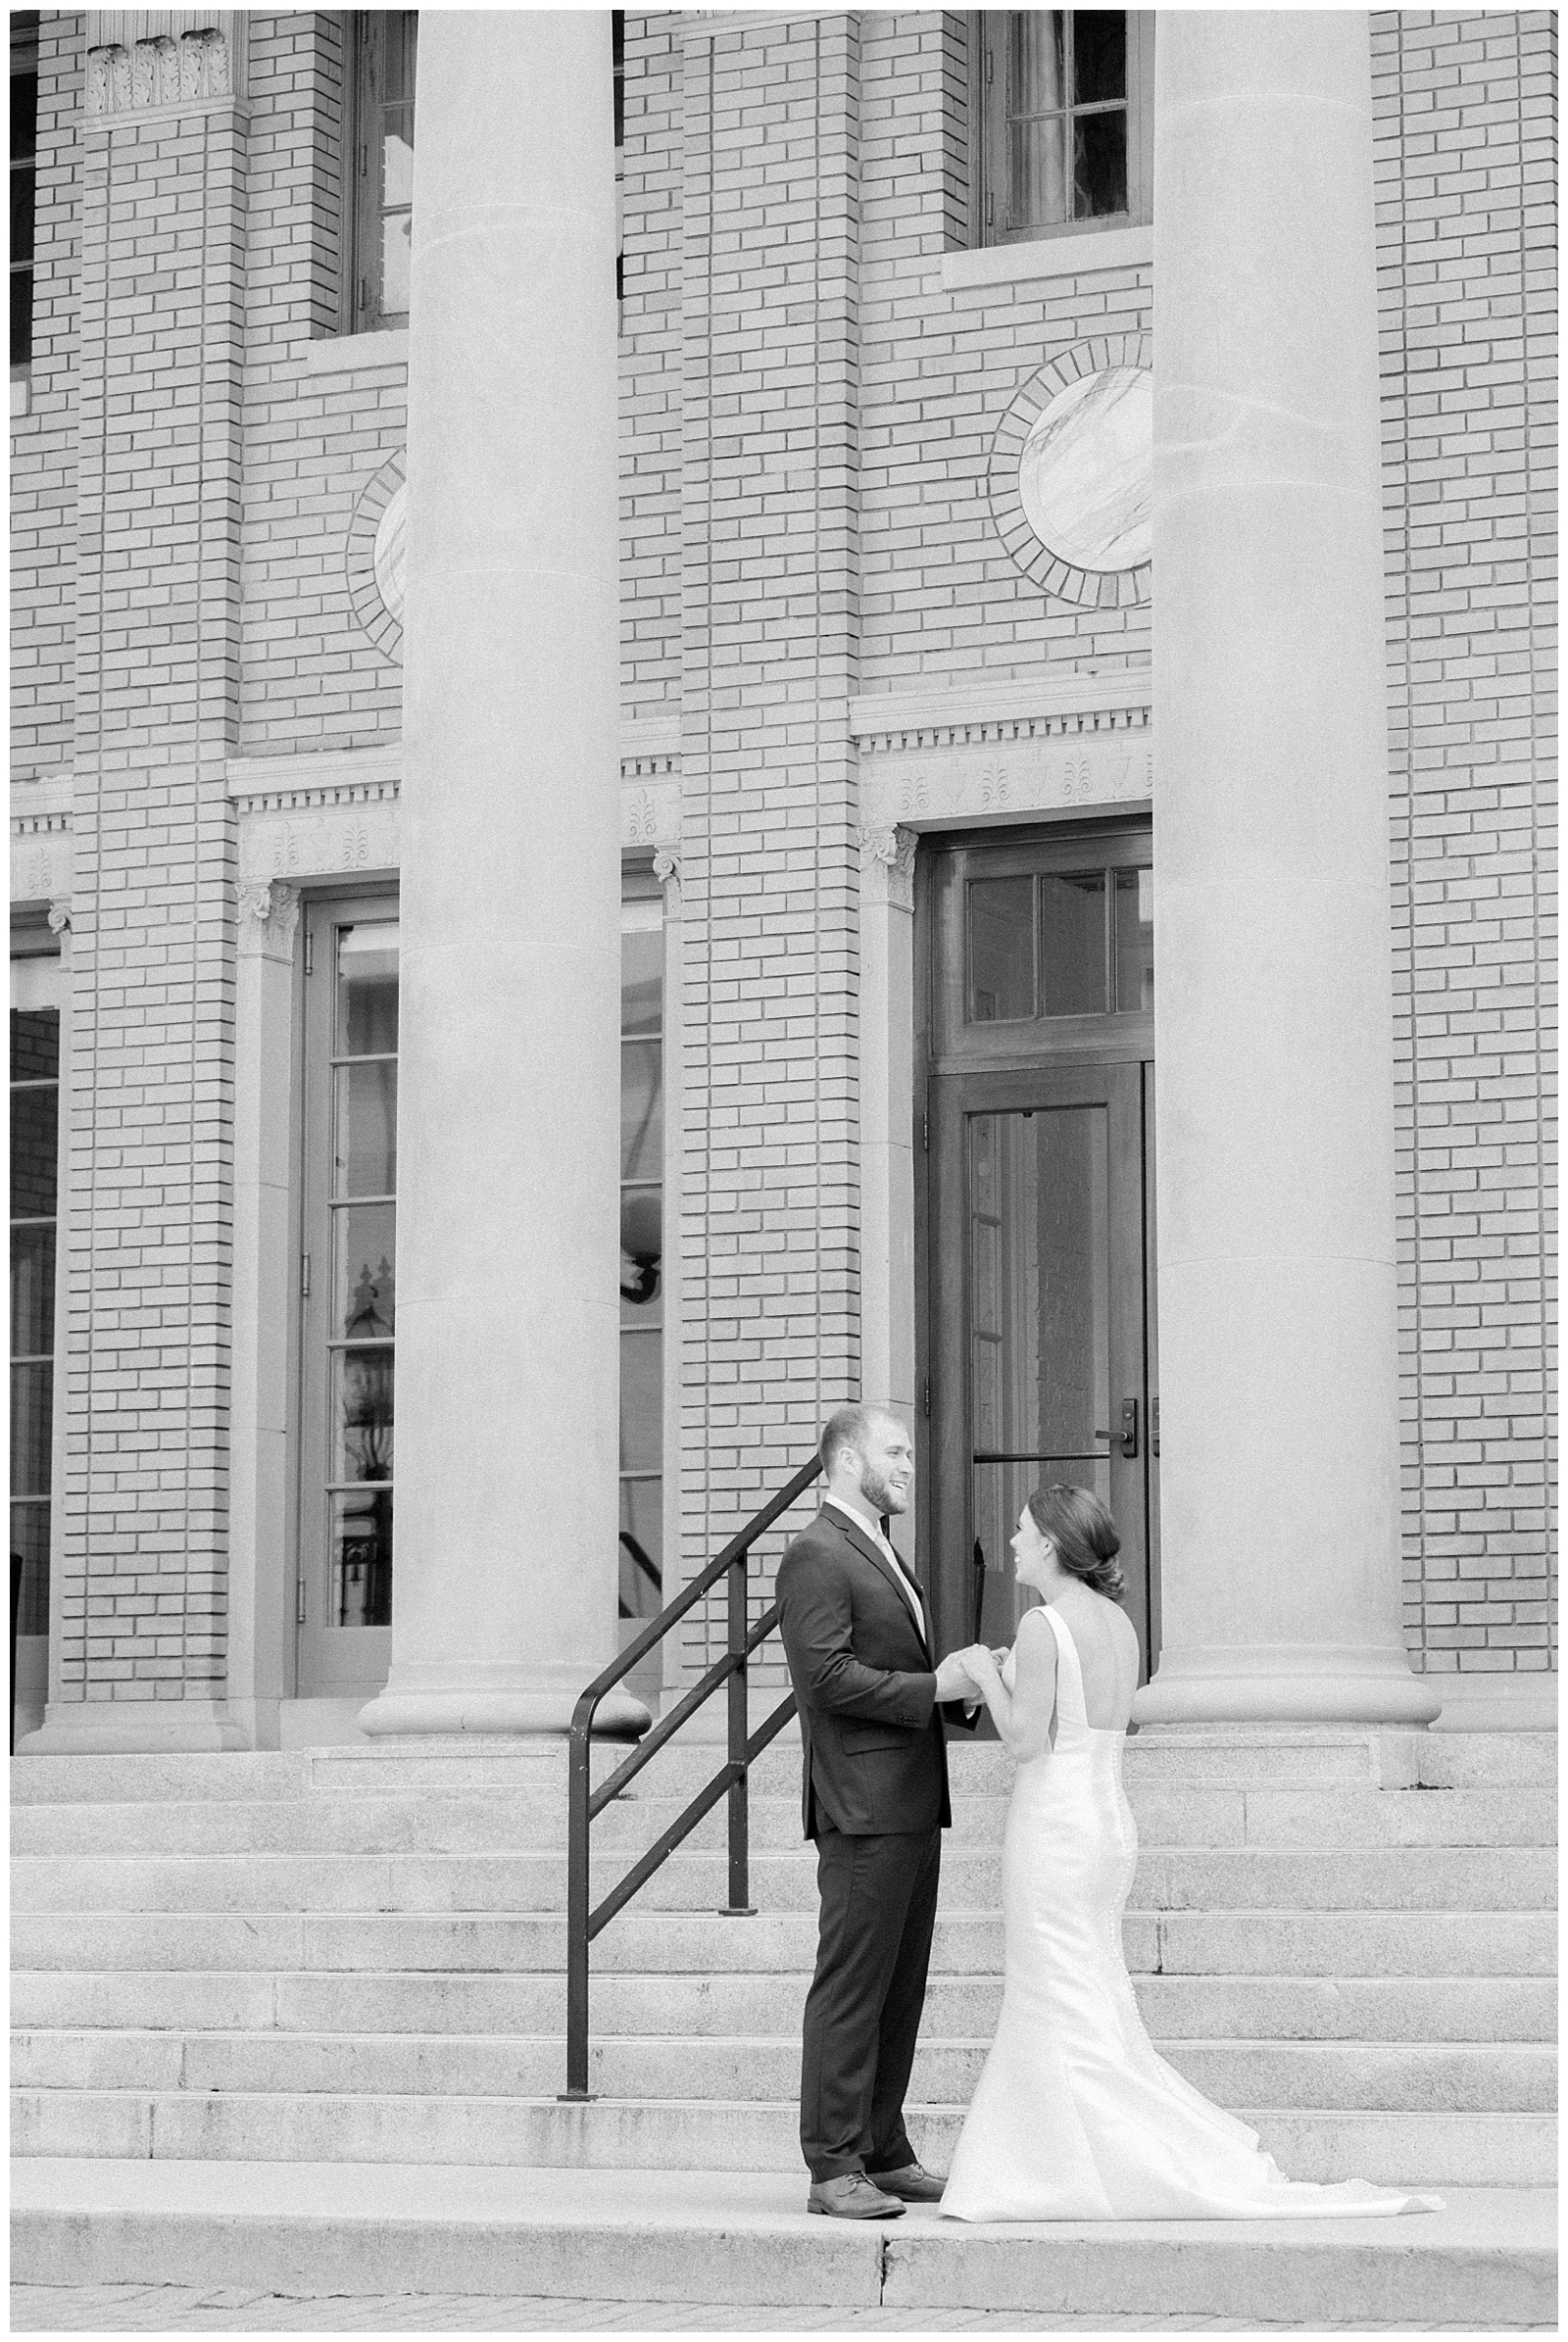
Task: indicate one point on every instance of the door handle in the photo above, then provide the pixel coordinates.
(1128, 1434)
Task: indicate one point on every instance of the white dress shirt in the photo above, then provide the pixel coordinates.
(869, 1529)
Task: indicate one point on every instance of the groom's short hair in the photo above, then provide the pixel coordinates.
(849, 1430)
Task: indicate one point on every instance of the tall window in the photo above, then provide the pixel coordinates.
(380, 160)
(34, 1189)
(618, 50)
(23, 182)
(1066, 117)
(348, 1286)
(642, 1247)
(349, 1281)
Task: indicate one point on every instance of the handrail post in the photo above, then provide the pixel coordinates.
(740, 1905)
(579, 1784)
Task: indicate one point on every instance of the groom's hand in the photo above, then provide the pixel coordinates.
(955, 1681)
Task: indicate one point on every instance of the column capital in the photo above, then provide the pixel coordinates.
(269, 915)
(886, 866)
(667, 869)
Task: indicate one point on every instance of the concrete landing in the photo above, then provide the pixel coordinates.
(744, 2239)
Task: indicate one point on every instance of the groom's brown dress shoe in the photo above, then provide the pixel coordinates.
(914, 2184)
(852, 2197)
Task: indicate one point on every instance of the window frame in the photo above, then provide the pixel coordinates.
(25, 31)
(330, 1661)
(40, 978)
(642, 911)
(361, 308)
(988, 133)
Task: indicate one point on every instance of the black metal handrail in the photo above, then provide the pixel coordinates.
(585, 1802)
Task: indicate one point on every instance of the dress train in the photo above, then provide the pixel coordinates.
(1076, 2117)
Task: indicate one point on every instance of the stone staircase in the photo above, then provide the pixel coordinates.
(351, 1958)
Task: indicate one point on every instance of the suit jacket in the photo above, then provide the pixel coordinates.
(864, 1678)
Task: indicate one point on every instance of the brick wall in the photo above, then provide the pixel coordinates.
(770, 652)
(313, 444)
(43, 441)
(942, 600)
(1466, 232)
(652, 359)
(156, 669)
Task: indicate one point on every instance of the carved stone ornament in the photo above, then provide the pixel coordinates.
(886, 866)
(160, 61)
(59, 918)
(42, 856)
(1070, 473)
(1005, 780)
(650, 812)
(374, 558)
(268, 915)
(336, 814)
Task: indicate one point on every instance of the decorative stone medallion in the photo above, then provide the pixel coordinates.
(374, 558)
(1070, 473)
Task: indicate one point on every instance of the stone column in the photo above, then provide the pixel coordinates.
(1274, 1029)
(505, 1567)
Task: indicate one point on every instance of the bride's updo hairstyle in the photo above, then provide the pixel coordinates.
(1083, 1533)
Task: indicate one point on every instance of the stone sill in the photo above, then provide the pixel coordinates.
(356, 353)
(175, 112)
(1052, 256)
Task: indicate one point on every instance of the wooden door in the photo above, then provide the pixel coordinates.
(1038, 1223)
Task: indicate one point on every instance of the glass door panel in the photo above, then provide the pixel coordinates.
(1039, 1273)
(1039, 1345)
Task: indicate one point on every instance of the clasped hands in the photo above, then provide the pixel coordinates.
(965, 1675)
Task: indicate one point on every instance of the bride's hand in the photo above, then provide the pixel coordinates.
(980, 1661)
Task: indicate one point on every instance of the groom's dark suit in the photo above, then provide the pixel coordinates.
(876, 1802)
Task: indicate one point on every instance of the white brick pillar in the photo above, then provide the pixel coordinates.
(1274, 1038)
(505, 1565)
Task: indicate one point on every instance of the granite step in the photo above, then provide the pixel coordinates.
(1327, 1819)
(1512, 2078)
(1306, 1757)
(1264, 1877)
(1468, 2149)
(1341, 2008)
(725, 2237)
(1214, 1942)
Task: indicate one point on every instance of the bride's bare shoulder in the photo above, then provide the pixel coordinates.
(1122, 1627)
(1037, 1621)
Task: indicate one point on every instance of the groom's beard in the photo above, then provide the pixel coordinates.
(879, 1496)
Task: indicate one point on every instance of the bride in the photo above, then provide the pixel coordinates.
(1076, 2118)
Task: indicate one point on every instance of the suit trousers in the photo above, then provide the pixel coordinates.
(863, 2013)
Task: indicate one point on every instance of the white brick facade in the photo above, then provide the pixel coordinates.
(813, 373)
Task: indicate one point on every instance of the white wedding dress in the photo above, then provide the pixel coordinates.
(1076, 2118)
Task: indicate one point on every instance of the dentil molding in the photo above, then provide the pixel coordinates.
(335, 814)
(991, 753)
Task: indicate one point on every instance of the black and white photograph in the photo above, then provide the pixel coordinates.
(910, 654)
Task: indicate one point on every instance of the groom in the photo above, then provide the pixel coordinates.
(870, 1695)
